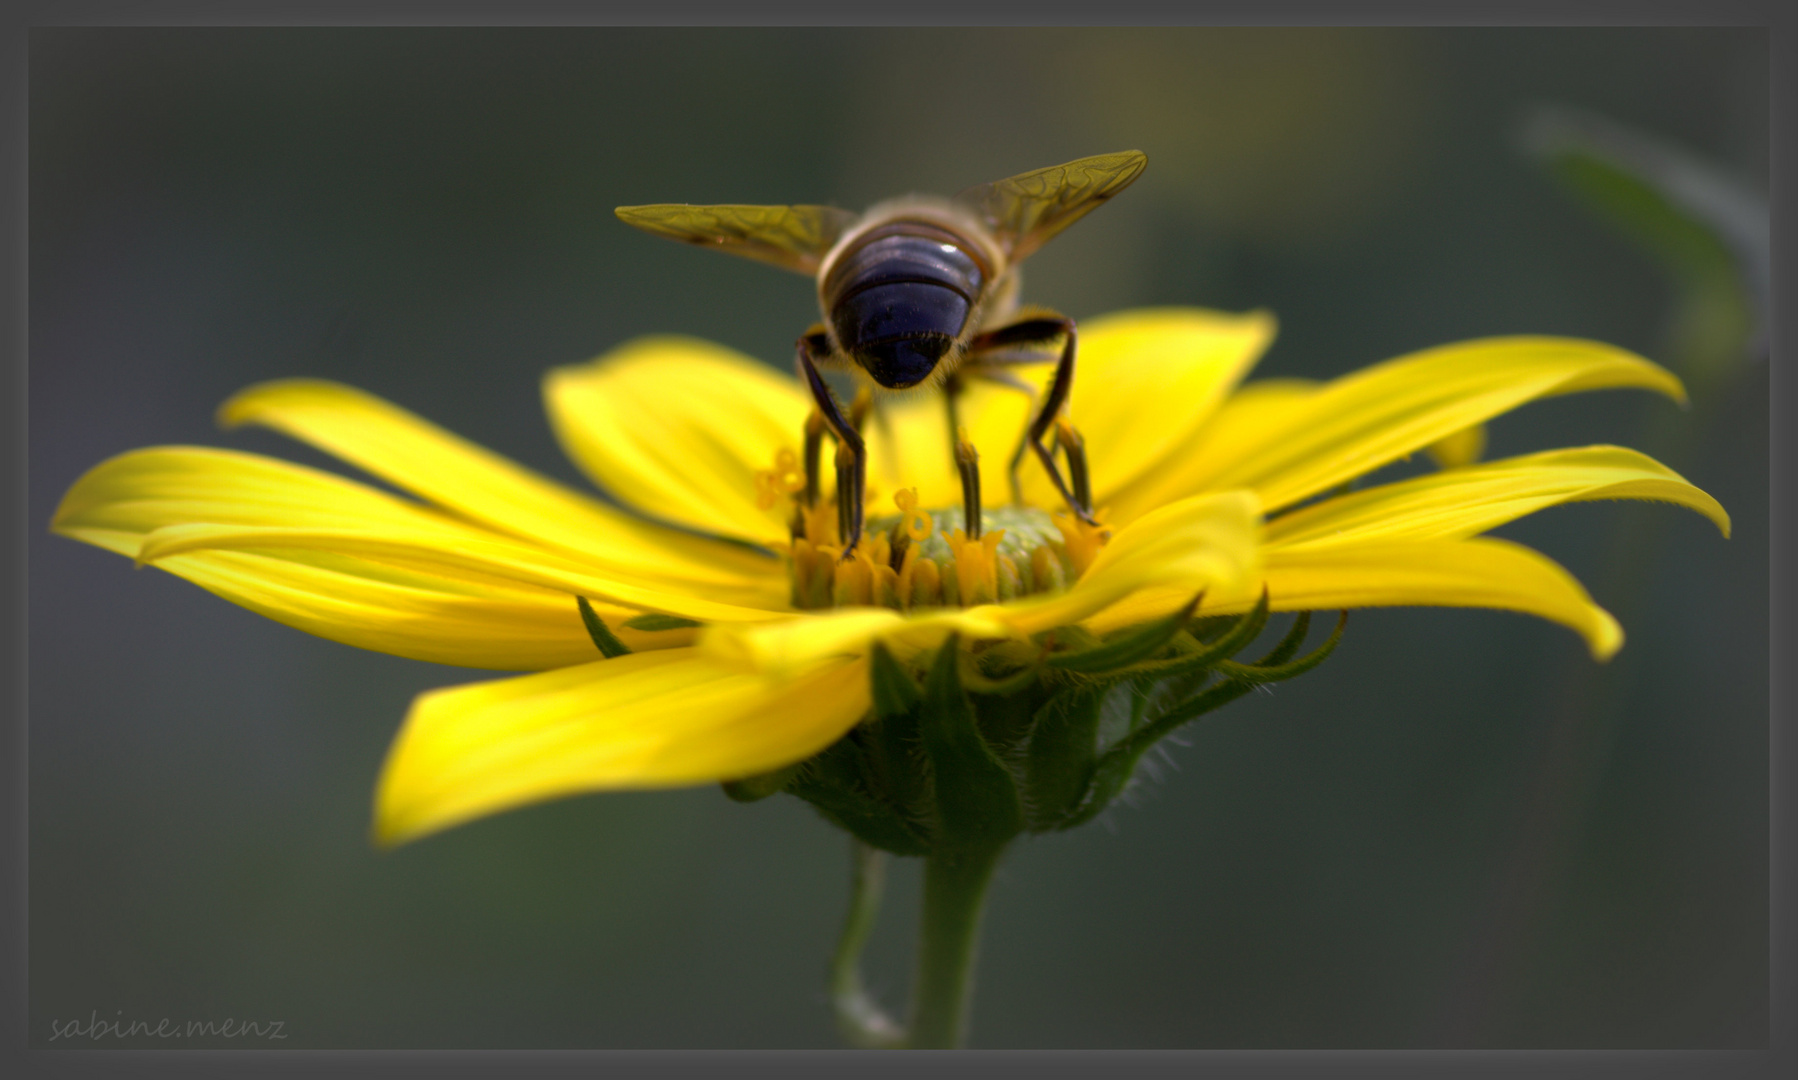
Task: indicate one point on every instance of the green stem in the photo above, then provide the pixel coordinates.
(859, 1017)
(955, 884)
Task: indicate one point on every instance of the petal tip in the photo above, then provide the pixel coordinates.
(1605, 637)
(248, 405)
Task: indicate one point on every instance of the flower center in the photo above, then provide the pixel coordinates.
(925, 558)
(961, 556)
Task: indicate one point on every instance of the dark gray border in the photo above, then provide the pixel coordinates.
(13, 490)
(1780, 1060)
(912, 13)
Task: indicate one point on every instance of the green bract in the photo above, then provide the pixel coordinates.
(971, 749)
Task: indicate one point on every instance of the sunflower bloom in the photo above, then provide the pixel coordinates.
(752, 644)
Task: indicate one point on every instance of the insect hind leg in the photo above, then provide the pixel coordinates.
(852, 453)
(1040, 330)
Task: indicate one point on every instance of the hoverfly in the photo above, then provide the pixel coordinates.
(920, 288)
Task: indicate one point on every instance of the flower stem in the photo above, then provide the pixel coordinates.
(955, 884)
(859, 1016)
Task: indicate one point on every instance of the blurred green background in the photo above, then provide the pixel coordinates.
(1459, 832)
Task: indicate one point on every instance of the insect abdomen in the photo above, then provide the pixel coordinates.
(900, 298)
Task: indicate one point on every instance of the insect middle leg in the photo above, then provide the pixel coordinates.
(1037, 331)
(852, 454)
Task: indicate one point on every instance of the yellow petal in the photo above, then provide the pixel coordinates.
(451, 472)
(1244, 415)
(780, 648)
(678, 428)
(1481, 572)
(440, 614)
(1468, 501)
(909, 444)
(143, 490)
(1365, 420)
(466, 553)
(420, 616)
(1459, 448)
(1145, 382)
(1208, 543)
(659, 719)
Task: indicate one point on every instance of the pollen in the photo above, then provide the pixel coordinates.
(921, 559)
(917, 524)
(784, 479)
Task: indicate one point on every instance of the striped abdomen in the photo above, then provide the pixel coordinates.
(901, 297)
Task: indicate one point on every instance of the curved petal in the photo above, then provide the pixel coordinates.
(1480, 572)
(660, 719)
(443, 618)
(454, 473)
(468, 553)
(1367, 419)
(1243, 415)
(1207, 543)
(1145, 383)
(419, 616)
(779, 648)
(678, 428)
(1467, 501)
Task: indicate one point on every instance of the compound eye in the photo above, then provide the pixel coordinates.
(903, 362)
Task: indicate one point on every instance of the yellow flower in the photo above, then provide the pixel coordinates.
(736, 668)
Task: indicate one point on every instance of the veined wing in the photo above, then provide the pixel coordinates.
(791, 237)
(1028, 209)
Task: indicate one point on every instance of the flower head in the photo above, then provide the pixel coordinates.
(752, 644)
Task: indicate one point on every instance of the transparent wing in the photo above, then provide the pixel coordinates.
(792, 237)
(1028, 209)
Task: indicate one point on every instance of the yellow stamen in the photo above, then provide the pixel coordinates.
(920, 583)
(917, 524)
(918, 558)
(1009, 581)
(820, 522)
(1046, 574)
(785, 478)
(854, 582)
(976, 566)
(886, 587)
(1082, 541)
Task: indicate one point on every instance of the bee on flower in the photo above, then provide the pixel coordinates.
(925, 663)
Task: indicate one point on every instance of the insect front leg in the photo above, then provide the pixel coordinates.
(852, 455)
(1038, 330)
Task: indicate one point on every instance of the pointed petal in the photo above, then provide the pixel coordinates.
(457, 475)
(448, 618)
(1370, 418)
(659, 719)
(419, 616)
(1470, 500)
(1481, 572)
(143, 490)
(678, 428)
(456, 553)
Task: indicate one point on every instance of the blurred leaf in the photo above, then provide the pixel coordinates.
(1709, 230)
